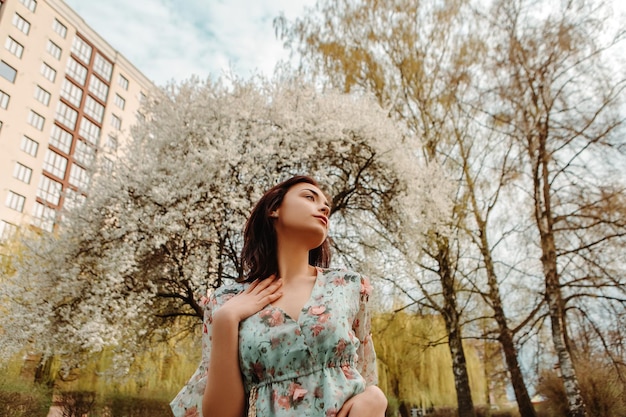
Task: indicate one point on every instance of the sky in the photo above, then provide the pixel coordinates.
(173, 40)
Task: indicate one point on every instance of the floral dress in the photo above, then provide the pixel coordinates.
(305, 367)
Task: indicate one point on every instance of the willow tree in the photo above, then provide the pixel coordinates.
(412, 362)
(130, 267)
(557, 97)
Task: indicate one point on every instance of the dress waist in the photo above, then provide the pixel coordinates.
(302, 373)
(254, 389)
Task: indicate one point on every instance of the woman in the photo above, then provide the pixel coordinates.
(293, 337)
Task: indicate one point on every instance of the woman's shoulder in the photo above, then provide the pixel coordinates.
(344, 276)
(224, 292)
(345, 273)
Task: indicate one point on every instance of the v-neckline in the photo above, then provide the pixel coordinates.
(305, 306)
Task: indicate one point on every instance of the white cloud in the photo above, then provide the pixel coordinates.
(173, 40)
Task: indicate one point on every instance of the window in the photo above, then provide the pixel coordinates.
(36, 120)
(14, 47)
(94, 109)
(107, 165)
(98, 88)
(7, 72)
(76, 71)
(29, 146)
(22, 172)
(55, 164)
(48, 72)
(111, 143)
(71, 92)
(84, 153)
(30, 4)
(59, 28)
(7, 230)
(102, 67)
(54, 49)
(21, 23)
(119, 101)
(42, 95)
(61, 139)
(43, 217)
(49, 190)
(66, 115)
(116, 122)
(4, 100)
(89, 131)
(79, 177)
(122, 81)
(81, 49)
(15, 201)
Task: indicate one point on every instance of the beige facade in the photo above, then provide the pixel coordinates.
(67, 101)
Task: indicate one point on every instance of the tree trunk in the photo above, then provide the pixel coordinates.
(451, 318)
(553, 297)
(43, 372)
(544, 220)
(505, 337)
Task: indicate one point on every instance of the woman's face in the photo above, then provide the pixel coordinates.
(303, 215)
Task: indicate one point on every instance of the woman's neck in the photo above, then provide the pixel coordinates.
(293, 262)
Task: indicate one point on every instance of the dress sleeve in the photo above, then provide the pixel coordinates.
(188, 402)
(362, 327)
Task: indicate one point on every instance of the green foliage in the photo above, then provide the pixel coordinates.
(20, 399)
(414, 361)
(80, 403)
(135, 407)
(158, 373)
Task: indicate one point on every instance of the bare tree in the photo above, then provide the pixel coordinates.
(560, 102)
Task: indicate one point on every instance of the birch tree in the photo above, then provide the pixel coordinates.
(562, 104)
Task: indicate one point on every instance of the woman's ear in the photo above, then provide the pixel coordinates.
(274, 214)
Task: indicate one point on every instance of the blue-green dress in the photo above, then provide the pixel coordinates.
(304, 367)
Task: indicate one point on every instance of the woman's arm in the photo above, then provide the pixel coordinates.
(224, 392)
(371, 402)
(224, 377)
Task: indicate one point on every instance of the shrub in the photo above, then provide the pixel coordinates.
(486, 411)
(75, 403)
(24, 404)
(604, 394)
(24, 400)
(443, 412)
(118, 406)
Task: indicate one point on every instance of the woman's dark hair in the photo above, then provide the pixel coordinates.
(258, 257)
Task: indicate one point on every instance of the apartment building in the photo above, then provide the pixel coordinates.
(67, 101)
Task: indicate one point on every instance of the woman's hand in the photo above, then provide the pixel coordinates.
(258, 294)
(370, 403)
